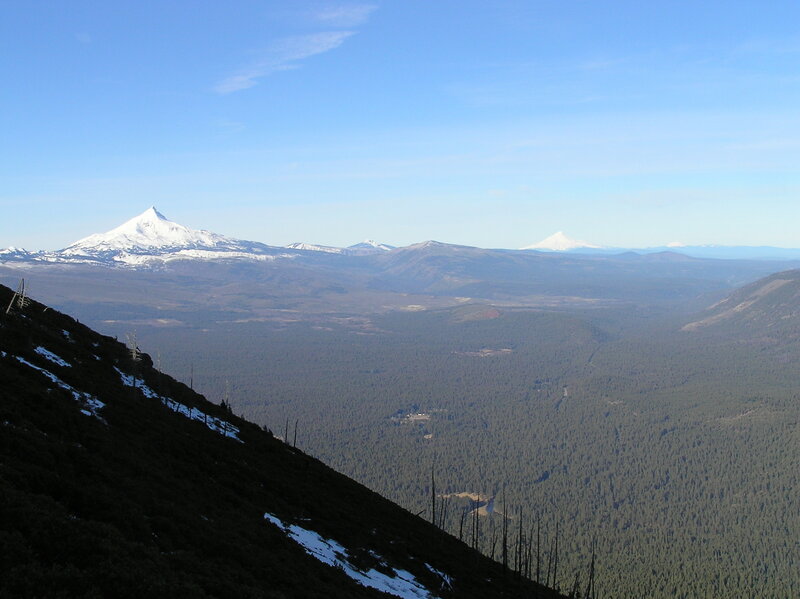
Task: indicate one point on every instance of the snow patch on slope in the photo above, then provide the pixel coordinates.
(91, 405)
(402, 584)
(223, 427)
(129, 259)
(313, 247)
(48, 355)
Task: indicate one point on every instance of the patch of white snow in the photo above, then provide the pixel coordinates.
(447, 580)
(48, 355)
(402, 584)
(313, 247)
(223, 427)
(91, 405)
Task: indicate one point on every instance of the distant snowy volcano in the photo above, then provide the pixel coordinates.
(149, 231)
(558, 242)
(151, 240)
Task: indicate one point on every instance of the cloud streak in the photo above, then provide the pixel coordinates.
(285, 54)
(345, 16)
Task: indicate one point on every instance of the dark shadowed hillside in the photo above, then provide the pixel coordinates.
(116, 480)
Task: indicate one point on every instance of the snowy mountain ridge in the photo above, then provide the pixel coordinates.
(313, 247)
(365, 247)
(150, 240)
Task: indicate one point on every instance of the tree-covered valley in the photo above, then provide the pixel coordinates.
(119, 481)
(675, 452)
(644, 408)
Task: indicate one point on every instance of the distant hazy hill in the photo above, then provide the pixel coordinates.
(768, 308)
(118, 481)
(363, 274)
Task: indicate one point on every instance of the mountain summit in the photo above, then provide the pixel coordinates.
(147, 231)
(371, 244)
(558, 242)
(150, 240)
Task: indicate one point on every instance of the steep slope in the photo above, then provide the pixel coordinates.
(767, 308)
(119, 481)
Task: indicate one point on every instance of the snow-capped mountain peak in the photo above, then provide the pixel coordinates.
(151, 240)
(371, 244)
(558, 242)
(148, 231)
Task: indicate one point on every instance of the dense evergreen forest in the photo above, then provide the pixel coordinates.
(674, 454)
(118, 481)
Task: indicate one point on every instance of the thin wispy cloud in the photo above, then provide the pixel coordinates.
(350, 15)
(288, 53)
(285, 54)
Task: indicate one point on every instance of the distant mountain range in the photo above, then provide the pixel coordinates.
(159, 269)
(559, 242)
(365, 247)
(150, 240)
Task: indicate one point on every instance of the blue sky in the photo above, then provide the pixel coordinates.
(483, 123)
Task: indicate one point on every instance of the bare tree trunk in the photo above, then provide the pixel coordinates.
(433, 497)
(555, 562)
(519, 545)
(493, 539)
(505, 533)
(529, 556)
(538, 547)
(590, 585)
(574, 591)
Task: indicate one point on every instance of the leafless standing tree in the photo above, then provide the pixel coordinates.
(135, 354)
